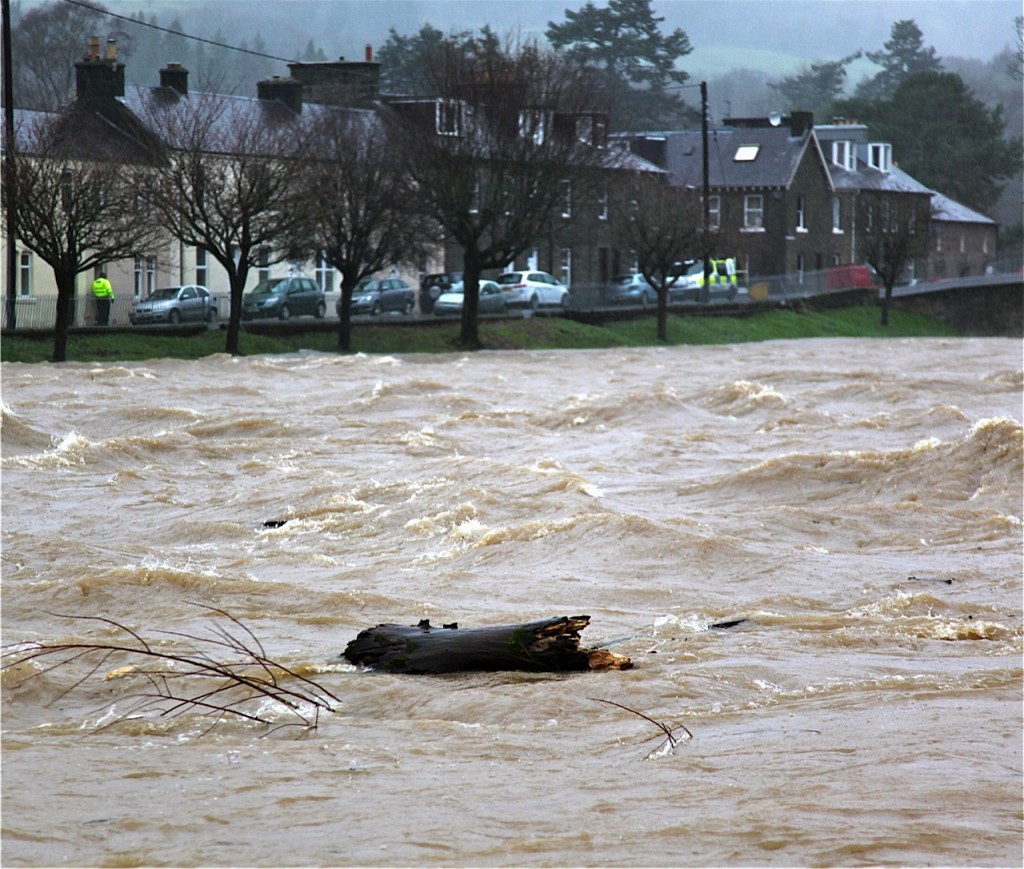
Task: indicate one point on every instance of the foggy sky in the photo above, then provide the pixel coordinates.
(745, 30)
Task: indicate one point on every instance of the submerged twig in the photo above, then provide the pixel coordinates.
(668, 744)
(193, 680)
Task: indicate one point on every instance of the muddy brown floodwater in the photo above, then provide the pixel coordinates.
(857, 502)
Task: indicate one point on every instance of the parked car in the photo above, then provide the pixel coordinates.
(284, 298)
(188, 304)
(492, 300)
(632, 290)
(373, 295)
(432, 286)
(531, 289)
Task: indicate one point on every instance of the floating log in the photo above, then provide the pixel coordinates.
(552, 645)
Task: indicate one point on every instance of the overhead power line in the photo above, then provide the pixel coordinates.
(139, 23)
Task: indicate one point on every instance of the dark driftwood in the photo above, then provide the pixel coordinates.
(552, 645)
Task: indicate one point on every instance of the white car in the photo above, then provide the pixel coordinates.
(531, 289)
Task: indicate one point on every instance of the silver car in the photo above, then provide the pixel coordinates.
(188, 304)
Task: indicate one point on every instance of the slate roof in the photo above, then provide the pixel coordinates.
(946, 209)
(779, 154)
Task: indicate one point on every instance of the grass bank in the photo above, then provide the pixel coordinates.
(536, 333)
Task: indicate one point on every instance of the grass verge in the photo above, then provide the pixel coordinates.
(535, 333)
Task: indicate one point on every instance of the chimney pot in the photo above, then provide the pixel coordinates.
(369, 53)
(111, 49)
(94, 48)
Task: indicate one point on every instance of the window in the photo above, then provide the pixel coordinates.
(567, 198)
(448, 117)
(324, 273)
(25, 272)
(800, 267)
(533, 125)
(938, 239)
(880, 156)
(602, 205)
(714, 212)
(140, 274)
(753, 211)
(474, 198)
(746, 153)
(837, 214)
(150, 274)
(984, 244)
(844, 155)
(263, 264)
(801, 213)
(532, 259)
(567, 266)
(201, 266)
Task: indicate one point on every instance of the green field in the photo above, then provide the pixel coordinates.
(533, 333)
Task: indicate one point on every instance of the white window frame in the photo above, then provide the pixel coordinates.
(801, 213)
(844, 154)
(533, 125)
(448, 117)
(714, 212)
(566, 272)
(150, 275)
(202, 266)
(753, 212)
(139, 275)
(880, 156)
(602, 205)
(25, 273)
(324, 273)
(837, 215)
(800, 267)
(263, 264)
(566, 198)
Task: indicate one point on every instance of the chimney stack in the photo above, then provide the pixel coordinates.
(285, 90)
(99, 78)
(175, 77)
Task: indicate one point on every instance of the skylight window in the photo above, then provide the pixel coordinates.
(746, 153)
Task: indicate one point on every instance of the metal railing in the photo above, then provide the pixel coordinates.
(39, 311)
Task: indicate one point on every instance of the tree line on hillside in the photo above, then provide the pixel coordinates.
(636, 68)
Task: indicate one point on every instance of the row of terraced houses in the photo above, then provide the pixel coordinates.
(783, 192)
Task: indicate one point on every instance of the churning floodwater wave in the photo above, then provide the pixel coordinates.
(810, 550)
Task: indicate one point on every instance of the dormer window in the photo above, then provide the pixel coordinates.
(448, 117)
(533, 125)
(746, 153)
(844, 155)
(880, 156)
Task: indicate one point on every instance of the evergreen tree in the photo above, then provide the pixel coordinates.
(903, 55)
(943, 137)
(815, 89)
(405, 60)
(635, 61)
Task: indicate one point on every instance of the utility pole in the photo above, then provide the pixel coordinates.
(705, 293)
(11, 212)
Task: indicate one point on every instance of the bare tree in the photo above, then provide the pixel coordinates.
(662, 225)
(45, 43)
(228, 184)
(493, 157)
(358, 203)
(225, 674)
(76, 210)
(894, 231)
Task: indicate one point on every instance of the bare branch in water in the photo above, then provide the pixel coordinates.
(671, 740)
(193, 679)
